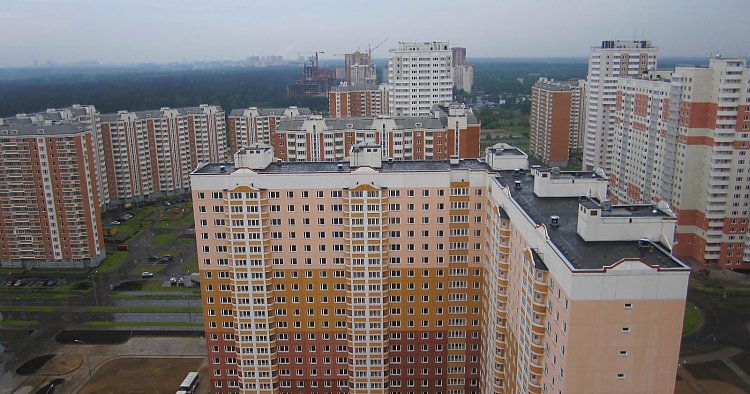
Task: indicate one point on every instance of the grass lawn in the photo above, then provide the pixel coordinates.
(27, 308)
(79, 271)
(11, 271)
(18, 323)
(113, 261)
(163, 239)
(156, 297)
(140, 323)
(191, 266)
(145, 309)
(692, 320)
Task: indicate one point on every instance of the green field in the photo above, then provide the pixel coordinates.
(141, 323)
(692, 320)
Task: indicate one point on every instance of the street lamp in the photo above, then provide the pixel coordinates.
(88, 359)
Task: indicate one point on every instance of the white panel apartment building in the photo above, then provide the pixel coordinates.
(685, 139)
(151, 153)
(607, 62)
(419, 75)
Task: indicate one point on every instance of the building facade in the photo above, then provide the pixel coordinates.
(49, 193)
(373, 276)
(447, 132)
(358, 100)
(358, 69)
(151, 153)
(419, 77)
(258, 125)
(683, 137)
(607, 62)
(556, 122)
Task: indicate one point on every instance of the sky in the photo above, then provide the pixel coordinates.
(162, 31)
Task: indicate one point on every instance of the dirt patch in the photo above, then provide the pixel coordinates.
(141, 375)
(172, 213)
(133, 285)
(33, 365)
(92, 337)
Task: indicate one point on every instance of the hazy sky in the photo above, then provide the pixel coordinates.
(127, 31)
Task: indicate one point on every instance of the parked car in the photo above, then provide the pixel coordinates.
(51, 283)
(146, 275)
(115, 222)
(152, 259)
(18, 283)
(10, 282)
(122, 247)
(165, 259)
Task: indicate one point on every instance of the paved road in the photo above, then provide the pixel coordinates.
(724, 324)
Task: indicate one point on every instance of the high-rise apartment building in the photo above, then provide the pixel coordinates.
(258, 125)
(49, 192)
(358, 100)
(462, 73)
(556, 120)
(419, 76)
(358, 69)
(447, 132)
(607, 62)
(373, 276)
(684, 138)
(151, 153)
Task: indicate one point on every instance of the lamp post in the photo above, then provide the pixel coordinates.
(88, 359)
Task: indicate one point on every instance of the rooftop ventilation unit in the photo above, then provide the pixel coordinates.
(644, 242)
(554, 221)
(223, 168)
(518, 185)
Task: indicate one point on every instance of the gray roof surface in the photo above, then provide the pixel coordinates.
(366, 123)
(581, 254)
(270, 111)
(33, 129)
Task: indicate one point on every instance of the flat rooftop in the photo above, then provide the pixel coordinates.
(581, 254)
(331, 166)
(624, 211)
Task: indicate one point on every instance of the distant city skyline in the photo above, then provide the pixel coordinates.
(136, 31)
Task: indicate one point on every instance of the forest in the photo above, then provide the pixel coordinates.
(112, 89)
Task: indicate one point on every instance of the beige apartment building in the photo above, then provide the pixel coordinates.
(556, 120)
(49, 191)
(448, 132)
(258, 125)
(683, 137)
(373, 276)
(151, 153)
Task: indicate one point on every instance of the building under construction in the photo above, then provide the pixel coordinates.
(315, 81)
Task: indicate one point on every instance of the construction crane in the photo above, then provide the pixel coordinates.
(369, 50)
